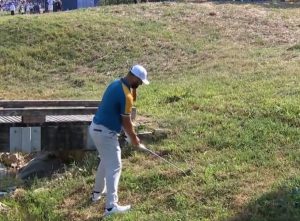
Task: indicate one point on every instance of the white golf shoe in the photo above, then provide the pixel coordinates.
(117, 209)
(96, 196)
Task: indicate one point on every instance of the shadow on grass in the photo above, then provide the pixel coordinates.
(283, 204)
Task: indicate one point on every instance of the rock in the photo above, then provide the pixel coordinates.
(19, 194)
(156, 135)
(41, 166)
(14, 160)
(40, 190)
(8, 159)
(146, 137)
(161, 134)
(3, 208)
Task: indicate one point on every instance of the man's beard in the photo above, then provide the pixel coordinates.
(134, 86)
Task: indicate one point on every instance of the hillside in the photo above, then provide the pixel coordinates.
(224, 80)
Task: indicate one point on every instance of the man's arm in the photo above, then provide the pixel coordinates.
(129, 130)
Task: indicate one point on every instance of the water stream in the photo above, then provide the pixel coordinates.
(3, 170)
(7, 180)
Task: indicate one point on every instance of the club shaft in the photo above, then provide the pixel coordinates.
(155, 154)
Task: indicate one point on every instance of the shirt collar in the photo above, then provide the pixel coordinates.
(124, 81)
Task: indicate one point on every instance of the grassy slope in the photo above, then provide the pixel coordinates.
(227, 86)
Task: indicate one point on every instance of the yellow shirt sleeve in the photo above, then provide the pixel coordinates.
(128, 100)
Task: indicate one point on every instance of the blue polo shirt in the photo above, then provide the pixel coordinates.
(117, 100)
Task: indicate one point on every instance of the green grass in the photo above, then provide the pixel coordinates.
(226, 86)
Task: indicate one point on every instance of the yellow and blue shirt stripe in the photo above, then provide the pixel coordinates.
(117, 100)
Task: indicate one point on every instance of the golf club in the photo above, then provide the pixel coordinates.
(143, 148)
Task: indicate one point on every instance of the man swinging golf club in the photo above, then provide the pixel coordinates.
(112, 115)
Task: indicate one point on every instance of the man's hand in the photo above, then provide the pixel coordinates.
(135, 141)
(129, 130)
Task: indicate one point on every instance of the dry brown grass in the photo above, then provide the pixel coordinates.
(237, 22)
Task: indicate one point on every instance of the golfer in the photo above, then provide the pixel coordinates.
(113, 115)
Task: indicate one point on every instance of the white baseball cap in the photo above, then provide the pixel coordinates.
(140, 72)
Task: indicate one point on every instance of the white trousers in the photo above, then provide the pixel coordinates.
(110, 166)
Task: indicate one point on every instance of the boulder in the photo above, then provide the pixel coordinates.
(41, 166)
(3, 208)
(11, 159)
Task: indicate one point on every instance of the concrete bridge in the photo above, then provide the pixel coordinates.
(37, 125)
